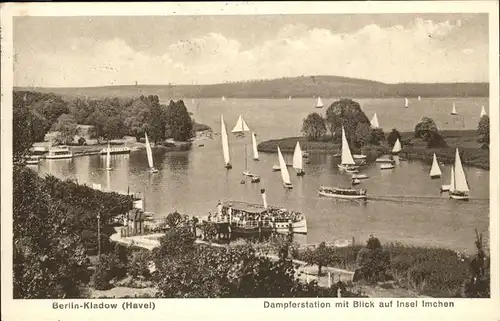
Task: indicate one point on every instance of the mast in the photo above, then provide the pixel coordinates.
(148, 151)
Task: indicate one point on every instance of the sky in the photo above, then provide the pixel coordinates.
(391, 48)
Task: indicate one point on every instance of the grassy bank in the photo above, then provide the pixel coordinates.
(431, 271)
(466, 140)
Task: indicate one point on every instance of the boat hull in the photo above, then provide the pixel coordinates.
(287, 186)
(360, 176)
(445, 188)
(383, 160)
(343, 196)
(299, 227)
(65, 156)
(301, 173)
(276, 169)
(435, 176)
(387, 167)
(459, 197)
(115, 152)
(228, 166)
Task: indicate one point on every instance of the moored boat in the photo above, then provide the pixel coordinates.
(387, 166)
(59, 152)
(459, 188)
(225, 144)
(284, 172)
(149, 153)
(32, 160)
(345, 193)
(359, 176)
(384, 160)
(355, 181)
(115, 150)
(276, 168)
(435, 170)
(347, 161)
(255, 179)
(297, 160)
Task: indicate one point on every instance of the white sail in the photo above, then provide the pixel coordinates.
(241, 126)
(289, 97)
(149, 152)
(483, 112)
(374, 122)
(225, 143)
(406, 102)
(397, 146)
(284, 172)
(223, 98)
(346, 151)
(460, 179)
(454, 110)
(418, 98)
(452, 180)
(297, 157)
(108, 158)
(254, 147)
(435, 170)
(319, 103)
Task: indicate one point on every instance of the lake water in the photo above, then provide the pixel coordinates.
(405, 204)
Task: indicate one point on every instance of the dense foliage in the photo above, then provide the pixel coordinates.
(428, 131)
(483, 129)
(35, 114)
(314, 126)
(348, 114)
(55, 228)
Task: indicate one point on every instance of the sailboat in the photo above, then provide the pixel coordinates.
(289, 97)
(254, 148)
(397, 147)
(435, 170)
(241, 126)
(225, 143)
(418, 98)
(483, 112)
(459, 188)
(374, 122)
(454, 110)
(347, 162)
(108, 159)
(406, 102)
(284, 172)
(152, 169)
(446, 188)
(223, 98)
(319, 103)
(297, 160)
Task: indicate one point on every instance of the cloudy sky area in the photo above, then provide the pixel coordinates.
(98, 51)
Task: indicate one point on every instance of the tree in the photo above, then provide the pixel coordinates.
(67, 127)
(393, 136)
(348, 114)
(478, 286)
(179, 125)
(314, 126)
(428, 131)
(363, 134)
(49, 257)
(138, 263)
(136, 118)
(483, 129)
(156, 120)
(321, 256)
(373, 261)
(377, 135)
(22, 137)
(209, 230)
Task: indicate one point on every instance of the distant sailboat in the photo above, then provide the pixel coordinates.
(297, 160)
(108, 159)
(459, 188)
(347, 162)
(289, 97)
(284, 172)
(254, 148)
(435, 170)
(454, 110)
(225, 143)
(418, 98)
(483, 112)
(319, 103)
(406, 102)
(241, 126)
(152, 169)
(446, 188)
(397, 147)
(192, 101)
(223, 98)
(374, 122)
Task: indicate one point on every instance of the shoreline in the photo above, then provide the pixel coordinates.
(473, 156)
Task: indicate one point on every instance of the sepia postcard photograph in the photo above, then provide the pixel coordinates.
(306, 160)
